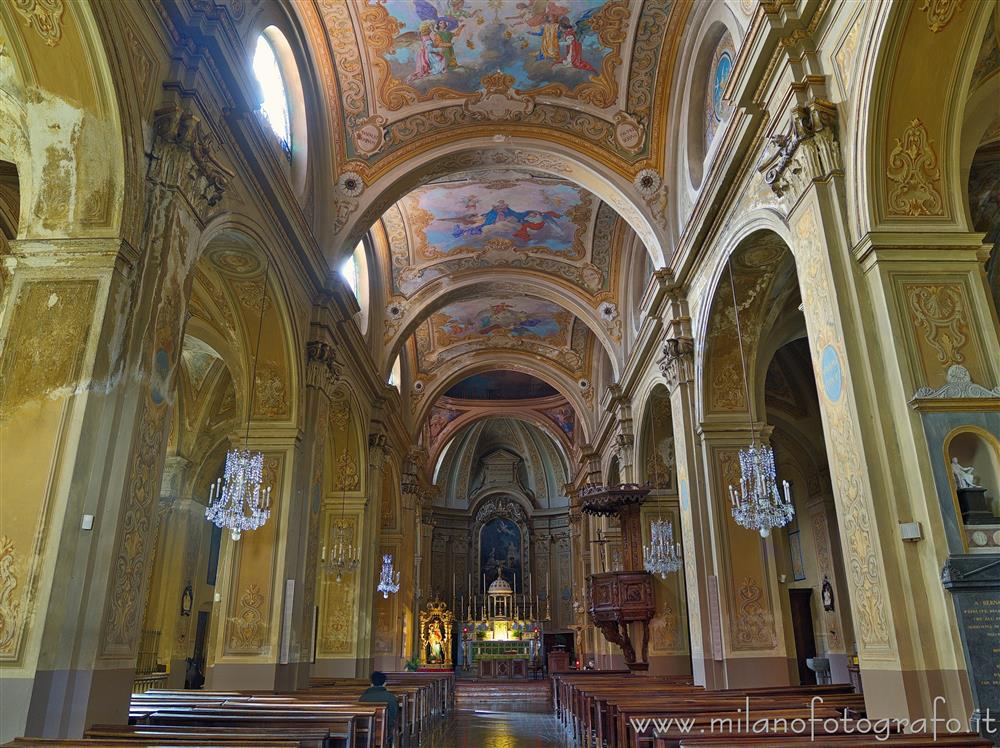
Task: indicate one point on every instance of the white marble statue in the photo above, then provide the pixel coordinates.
(963, 475)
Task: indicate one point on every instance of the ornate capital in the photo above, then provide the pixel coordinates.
(807, 150)
(182, 157)
(377, 448)
(678, 361)
(322, 367)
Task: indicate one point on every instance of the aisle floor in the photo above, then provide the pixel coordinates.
(498, 726)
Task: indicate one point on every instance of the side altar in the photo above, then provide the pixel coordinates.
(502, 633)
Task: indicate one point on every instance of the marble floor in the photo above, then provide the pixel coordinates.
(497, 726)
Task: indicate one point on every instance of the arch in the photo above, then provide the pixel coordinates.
(526, 415)
(455, 371)
(431, 299)
(653, 390)
(759, 224)
(76, 112)
(476, 152)
(245, 235)
(904, 63)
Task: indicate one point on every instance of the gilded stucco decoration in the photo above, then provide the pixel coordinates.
(842, 436)
(913, 168)
(44, 16)
(347, 478)
(754, 622)
(248, 629)
(938, 312)
(10, 604)
(270, 393)
(940, 12)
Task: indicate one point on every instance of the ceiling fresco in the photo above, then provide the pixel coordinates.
(500, 385)
(526, 214)
(502, 219)
(403, 74)
(503, 321)
(515, 317)
(444, 47)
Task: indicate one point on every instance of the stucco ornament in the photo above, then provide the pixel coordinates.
(940, 12)
(647, 182)
(44, 16)
(498, 99)
(350, 184)
(913, 166)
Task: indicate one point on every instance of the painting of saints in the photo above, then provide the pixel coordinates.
(574, 53)
(452, 44)
(528, 220)
(427, 61)
(444, 41)
(435, 641)
(549, 32)
(500, 550)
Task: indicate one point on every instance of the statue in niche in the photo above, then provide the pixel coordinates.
(964, 477)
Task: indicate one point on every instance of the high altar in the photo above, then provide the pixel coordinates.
(505, 638)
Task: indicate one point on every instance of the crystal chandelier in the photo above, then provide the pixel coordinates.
(343, 556)
(239, 501)
(756, 502)
(662, 556)
(389, 581)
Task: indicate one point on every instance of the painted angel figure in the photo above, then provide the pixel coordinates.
(964, 477)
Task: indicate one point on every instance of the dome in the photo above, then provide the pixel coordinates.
(501, 586)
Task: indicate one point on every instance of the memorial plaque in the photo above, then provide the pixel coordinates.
(974, 582)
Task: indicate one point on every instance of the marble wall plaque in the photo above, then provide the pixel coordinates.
(974, 582)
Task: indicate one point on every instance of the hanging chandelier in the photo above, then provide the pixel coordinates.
(756, 502)
(662, 556)
(344, 556)
(389, 582)
(238, 501)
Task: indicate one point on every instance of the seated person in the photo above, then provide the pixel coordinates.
(378, 694)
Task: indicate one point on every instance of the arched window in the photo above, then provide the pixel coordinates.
(274, 105)
(354, 271)
(394, 375)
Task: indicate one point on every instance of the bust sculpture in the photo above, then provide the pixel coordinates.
(964, 477)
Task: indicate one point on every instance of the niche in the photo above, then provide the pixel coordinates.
(974, 463)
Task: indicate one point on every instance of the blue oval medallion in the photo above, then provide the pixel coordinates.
(833, 378)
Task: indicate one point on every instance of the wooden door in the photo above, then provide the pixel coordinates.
(802, 628)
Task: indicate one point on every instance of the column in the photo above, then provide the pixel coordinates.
(700, 580)
(91, 341)
(249, 624)
(750, 623)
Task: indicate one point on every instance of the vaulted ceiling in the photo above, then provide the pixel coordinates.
(511, 259)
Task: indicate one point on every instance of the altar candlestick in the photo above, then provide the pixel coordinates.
(529, 584)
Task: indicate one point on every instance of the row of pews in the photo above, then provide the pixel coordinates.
(614, 709)
(325, 715)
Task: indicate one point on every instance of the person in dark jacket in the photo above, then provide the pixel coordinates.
(378, 694)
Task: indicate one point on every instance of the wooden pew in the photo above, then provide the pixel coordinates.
(165, 743)
(304, 737)
(898, 740)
